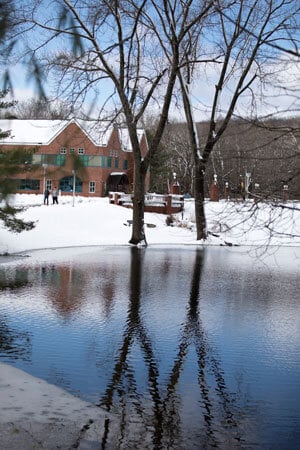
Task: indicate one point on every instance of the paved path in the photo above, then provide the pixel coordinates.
(38, 415)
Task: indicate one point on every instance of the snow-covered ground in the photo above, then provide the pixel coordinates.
(93, 221)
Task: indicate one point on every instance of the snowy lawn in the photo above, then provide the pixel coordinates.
(93, 221)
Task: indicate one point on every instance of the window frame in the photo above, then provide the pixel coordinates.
(92, 187)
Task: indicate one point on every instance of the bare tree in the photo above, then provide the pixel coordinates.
(250, 39)
(179, 156)
(130, 49)
(42, 109)
(136, 50)
(268, 149)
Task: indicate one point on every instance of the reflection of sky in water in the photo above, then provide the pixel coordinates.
(76, 311)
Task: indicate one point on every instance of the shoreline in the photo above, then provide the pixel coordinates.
(96, 222)
(196, 244)
(36, 414)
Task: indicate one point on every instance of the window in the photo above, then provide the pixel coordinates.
(60, 160)
(81, 151)
(116, 163)
(49, 185)
(125, 164)
(27, 185)
(105, 161)
(54, 160)
(71, 150)
(85, 160)
(95, 161)
(63, 150)
(36, 159)
(92, 187)
(66, 184)
(113, 153)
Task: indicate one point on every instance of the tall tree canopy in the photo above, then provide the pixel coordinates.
(252, 38)
(124, 53)
(128, 57)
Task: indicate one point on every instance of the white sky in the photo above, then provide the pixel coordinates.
(203, 86)
(269, 98)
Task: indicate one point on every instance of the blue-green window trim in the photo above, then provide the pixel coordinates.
(51, 160)
(105, 162)
(84, 160)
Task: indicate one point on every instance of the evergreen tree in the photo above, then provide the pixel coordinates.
(10, 163)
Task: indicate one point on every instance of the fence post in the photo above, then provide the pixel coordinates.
(175, 186)
(285, 193)
(116, 198)
(214, 192)
(227, 191)
(169, 204)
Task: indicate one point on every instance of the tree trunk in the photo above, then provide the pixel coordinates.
(199, 200)
(138, 231)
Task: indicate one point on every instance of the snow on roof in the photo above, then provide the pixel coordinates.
(98, 132)
(125, 139)
(42, 132)
(31, 132)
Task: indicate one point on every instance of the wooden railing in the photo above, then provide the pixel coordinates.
(160, 203)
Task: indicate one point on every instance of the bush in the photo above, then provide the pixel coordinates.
(170, 221)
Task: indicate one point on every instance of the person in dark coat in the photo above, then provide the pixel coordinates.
(46, 197)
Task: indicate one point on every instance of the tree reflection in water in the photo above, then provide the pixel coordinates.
(163, 427)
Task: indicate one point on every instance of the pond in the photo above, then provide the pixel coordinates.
(191, 349)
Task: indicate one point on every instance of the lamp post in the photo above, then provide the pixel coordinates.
(247, 183)
(74, 185)
(44, 175)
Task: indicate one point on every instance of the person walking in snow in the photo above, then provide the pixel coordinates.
(55, 196)
(46, 197)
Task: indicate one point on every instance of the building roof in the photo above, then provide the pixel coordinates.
(43, 132)
(125, 139)
(31, 132)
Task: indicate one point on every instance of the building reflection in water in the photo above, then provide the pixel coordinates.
(14, 344)
(69, 288)
(64, 288)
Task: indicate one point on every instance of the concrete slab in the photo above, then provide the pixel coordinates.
(37, 415)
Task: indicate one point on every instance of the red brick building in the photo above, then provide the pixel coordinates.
(94, 157)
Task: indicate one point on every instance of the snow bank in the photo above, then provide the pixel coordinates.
(94, 221)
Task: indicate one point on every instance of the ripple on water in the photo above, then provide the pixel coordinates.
(186, 346)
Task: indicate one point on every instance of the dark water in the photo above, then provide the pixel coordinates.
(191, 349)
